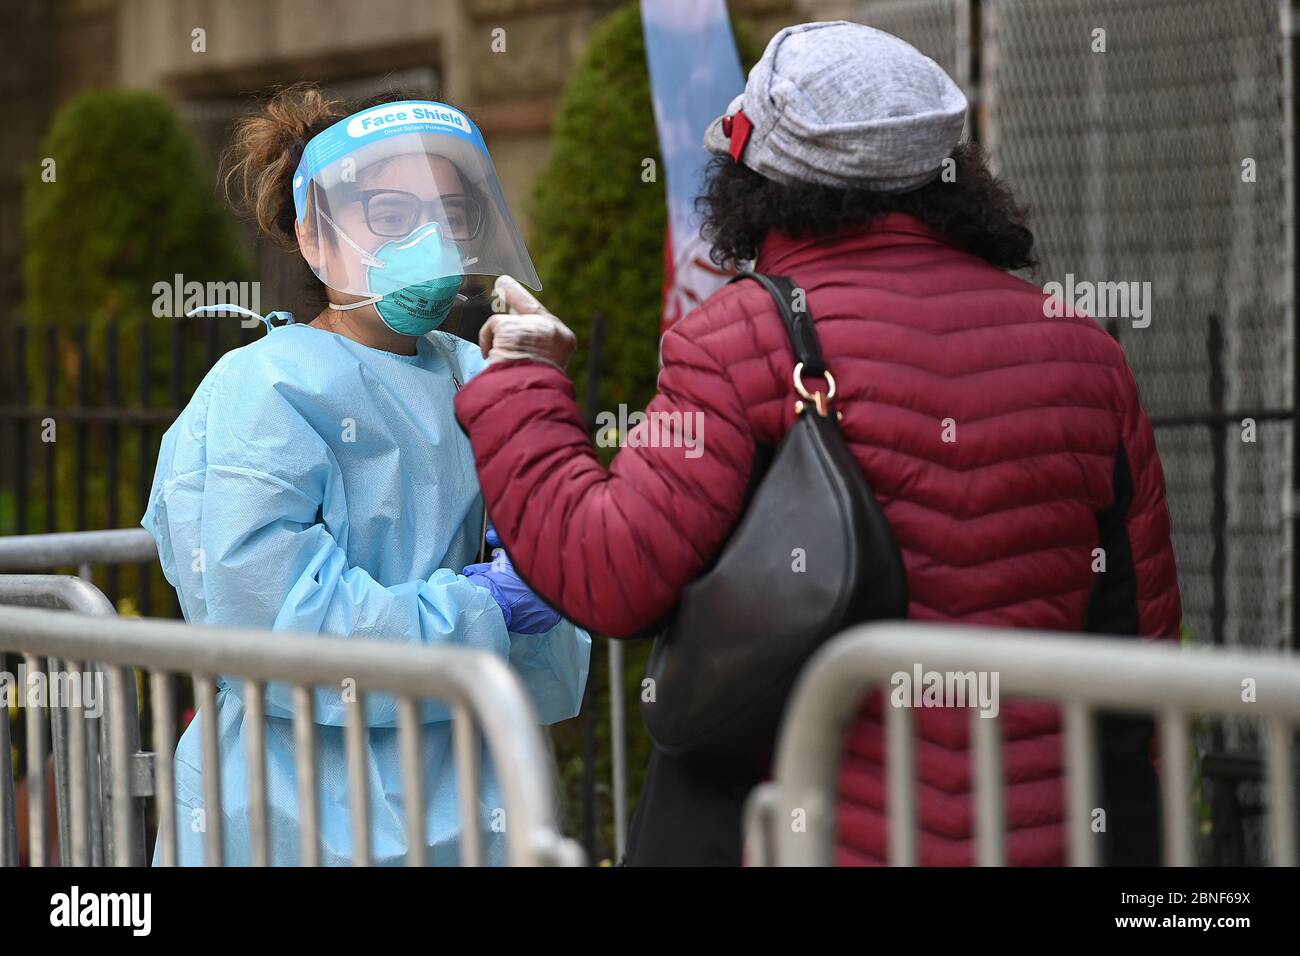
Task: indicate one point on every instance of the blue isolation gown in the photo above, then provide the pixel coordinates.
(315, 485)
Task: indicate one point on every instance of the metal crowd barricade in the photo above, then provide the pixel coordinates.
(1087, 674)
(82, 550)
(76, 740)
(484, 693)
(79, 549)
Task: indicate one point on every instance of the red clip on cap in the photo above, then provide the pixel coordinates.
(738, 128)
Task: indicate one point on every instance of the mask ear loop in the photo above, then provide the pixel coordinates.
(347, 307)
(371, 260)
(460, 297)
(366, 257)
(240, 310)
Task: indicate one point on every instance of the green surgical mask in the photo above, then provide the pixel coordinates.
(407, 300)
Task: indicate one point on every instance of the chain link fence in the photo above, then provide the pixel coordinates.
(1150, 140)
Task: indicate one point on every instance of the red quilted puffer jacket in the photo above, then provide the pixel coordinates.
(1053, 456)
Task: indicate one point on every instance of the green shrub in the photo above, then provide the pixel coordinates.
(131, 204)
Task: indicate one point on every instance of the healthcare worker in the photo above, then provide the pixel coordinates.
(317, 482)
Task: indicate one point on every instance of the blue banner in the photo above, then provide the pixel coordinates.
(694, 75)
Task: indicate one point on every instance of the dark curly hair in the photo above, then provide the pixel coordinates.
(975, 212)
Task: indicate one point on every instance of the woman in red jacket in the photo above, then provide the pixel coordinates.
(1004, 440)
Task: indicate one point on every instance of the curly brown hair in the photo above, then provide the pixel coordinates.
(264, 150)
(976, 211)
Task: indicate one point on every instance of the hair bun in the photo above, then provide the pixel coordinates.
(265, 150)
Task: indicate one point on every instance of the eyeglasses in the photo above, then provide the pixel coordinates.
(393, 213)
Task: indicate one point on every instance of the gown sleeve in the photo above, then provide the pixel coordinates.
(553, 665)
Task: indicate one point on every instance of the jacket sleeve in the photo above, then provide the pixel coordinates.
(612, 549)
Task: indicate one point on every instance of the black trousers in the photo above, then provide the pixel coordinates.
(688, 815)
(693, 816)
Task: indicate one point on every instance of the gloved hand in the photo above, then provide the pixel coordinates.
(526, 330)
(524, 611)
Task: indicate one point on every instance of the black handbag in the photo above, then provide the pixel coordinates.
(811, 555)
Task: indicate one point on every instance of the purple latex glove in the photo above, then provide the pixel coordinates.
(524, 611)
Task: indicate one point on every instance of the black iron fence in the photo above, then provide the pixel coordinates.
(1232, 790)
(77, 452)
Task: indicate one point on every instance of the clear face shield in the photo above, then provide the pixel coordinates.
(398, 204)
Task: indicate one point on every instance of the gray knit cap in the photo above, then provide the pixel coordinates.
(844, 105)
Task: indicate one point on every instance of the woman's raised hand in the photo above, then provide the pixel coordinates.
(524, 330)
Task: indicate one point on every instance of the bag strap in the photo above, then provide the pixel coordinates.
(798, 324)
(803, 339)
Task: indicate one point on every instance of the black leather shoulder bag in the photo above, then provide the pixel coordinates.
(811, 555)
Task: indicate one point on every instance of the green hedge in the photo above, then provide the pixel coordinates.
(132, 204)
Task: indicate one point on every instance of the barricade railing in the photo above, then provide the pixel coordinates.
(79, 749)
(485, 696)
(82, 550)
(791, 820)
(79, 549)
